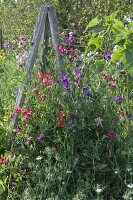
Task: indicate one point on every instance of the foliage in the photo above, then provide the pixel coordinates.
(73, 139)
(72, 14)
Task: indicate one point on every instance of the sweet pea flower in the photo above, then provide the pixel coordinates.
(41, 138)
(107, 56)
(111, 135)
(34, 90)
(42, 97)
(28, 112)
(104, 75)
(119, 100)
(22, 39)
(11, 116)
(73, 53)
(62, 50)
(2, 161)
(70, 38)
(40, 74)
(6, 45)
(18, 110)
(13, 184)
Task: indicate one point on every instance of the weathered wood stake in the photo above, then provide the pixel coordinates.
(47, 19)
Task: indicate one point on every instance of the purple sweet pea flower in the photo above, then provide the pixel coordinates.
(70, 38)
(17, 92)
(66, 84)
(41, 138)
(107, 56)
(64, 77)
(119, 100)
(79, 62)
(121, 64)
(22, 39)
(68, 90)
(77, 71)
(113, 99)
(6, 45)
(86, 90)
(13, 184)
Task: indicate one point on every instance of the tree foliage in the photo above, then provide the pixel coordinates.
(19, 17)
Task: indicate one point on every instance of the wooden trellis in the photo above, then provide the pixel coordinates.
(0, 39)
(47, 21)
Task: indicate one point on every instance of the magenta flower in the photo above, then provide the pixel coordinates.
(41, 138)
(111, 135)
(73, 53)
(28, 112)
(62, 50)
(18, 110)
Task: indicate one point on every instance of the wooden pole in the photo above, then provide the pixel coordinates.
(1, 45)
(47, 18)
(45, 46)
(30, 62)
(55, 38)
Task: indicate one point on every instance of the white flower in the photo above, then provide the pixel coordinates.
(39, 158)
(68, 172)
(71, 33)
(127, 18)
(89, 54)
(82, 55)
(99, 190)
(129, 169)
(98, 121)
(130, 185)
(115, 48)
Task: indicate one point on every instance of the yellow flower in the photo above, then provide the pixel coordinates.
(2, 54)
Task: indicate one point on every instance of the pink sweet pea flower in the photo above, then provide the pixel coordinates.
(42, 97)
(28, 112)
(34, 90)
(104, 75)
(10, 116)
(111, 135)
(18, 110)
(40, 74)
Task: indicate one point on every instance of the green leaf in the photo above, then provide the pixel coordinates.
(96, 42)
(118, 54)
(93, 22)
(111, 18)
(118, 27)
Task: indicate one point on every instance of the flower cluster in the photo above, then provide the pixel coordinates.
(78, 76)
(107, 56)
(2, 160)
(46, 81)
(22, 59)
(66, 83)
(70, 38)
(62, 50)
(63, 116)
